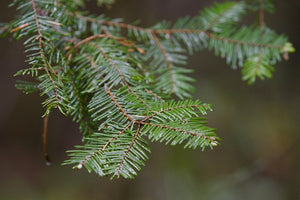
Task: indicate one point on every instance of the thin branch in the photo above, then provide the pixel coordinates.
(41, 49)
(120, 74)
(128, 149)
(118, 105)
(169, 109)
(213, 36)
(164, 52)
(217, 19)
(154, 94)
(211, 138)
(173, 31)
(89, 39)
(104, 146)
(258, 63)
(46, 155)
(81, 109)
(191, 31)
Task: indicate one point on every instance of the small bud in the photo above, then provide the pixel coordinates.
(214, 143)
(79, 166)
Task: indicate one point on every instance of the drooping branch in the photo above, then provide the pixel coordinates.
(45, 63)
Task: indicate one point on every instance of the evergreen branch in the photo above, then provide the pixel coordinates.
(79, 115)
(40, 36)
(257, 66)
(116, 79)
(118, 105)
(211, 138)
(89, 39)
(185, 31)
(169, 65)
(219, 16)
(155, 95)
(79, 166)
(171, 109)
(128, 150)
(223, 39)
(120, 74)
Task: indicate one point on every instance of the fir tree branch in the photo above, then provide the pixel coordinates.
(79, 166)
(120, 74)
(179, 31)
(210, 138)
(170, 109)
(116, 79)
(156, 96)
(119, 106)
(40, 36)
(169, 65)
(128, 150)
(213, 36)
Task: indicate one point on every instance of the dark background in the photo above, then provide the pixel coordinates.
(259, 125)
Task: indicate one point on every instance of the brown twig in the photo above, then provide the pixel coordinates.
(19, 28)
(154, 94)
(46, 155)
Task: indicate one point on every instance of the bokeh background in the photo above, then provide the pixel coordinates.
(259, 125)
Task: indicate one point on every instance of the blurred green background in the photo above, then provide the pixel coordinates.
(259, 125)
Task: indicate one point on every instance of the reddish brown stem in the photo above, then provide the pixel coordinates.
(46, 155)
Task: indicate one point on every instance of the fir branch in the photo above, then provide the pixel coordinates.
(128, 150)
(116, 79)
(40, 36)
(210, 138)
(155, 95)
(185, 31)
(169, 65)
(223, 39)
(118, 105)
(79, 166)
(120, 74)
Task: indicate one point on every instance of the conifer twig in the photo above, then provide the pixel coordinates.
(40, 36)
(169, 65)
(45, 130)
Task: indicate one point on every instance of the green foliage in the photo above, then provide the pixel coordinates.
(117, 80)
